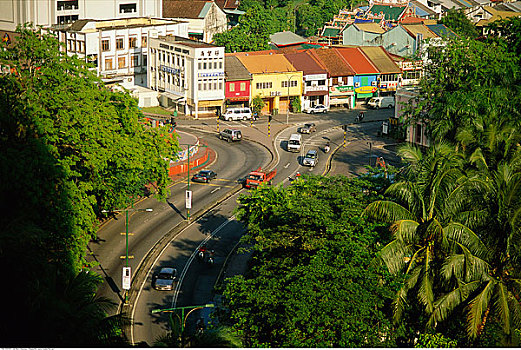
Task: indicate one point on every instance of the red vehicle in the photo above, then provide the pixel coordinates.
(256, 177)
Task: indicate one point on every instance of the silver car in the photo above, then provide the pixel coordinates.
(165, 279)
(311, 158)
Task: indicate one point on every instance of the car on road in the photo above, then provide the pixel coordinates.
(316, 109)
(307, 128)
(204, 176)
(230, 135)
(165, 279)
(311, 158)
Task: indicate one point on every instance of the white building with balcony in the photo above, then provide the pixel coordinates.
(117, 48)
(51, 12)
(315, 87)
(188, 74)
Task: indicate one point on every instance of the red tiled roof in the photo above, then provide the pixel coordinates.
(304, 62)
(332, 62)
(182, 8)
(357, 60)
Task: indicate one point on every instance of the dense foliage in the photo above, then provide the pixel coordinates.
(310, 281)
(70, 148)
(459, 23)
(265, 17)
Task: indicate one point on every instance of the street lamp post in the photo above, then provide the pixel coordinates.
(287, 110)
(126, 233)
(183, 308)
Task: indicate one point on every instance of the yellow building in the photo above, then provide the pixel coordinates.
(274, 79)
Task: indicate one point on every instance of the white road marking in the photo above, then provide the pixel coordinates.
(215, 190)
(286, 166)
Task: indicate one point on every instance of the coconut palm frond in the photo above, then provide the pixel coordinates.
(387, 211)
(477, 308)
(393, 255)
(466, 237)
(405, 193)
(515, 311)
(501, 304)
(445, 304)
(425, 292)
(405, 230)
(472, 218)
(400, 303)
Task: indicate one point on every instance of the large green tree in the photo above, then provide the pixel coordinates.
(70, 148)
(459, 23)
(310, 281)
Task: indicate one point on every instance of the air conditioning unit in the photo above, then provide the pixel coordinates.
(357, 84)
(373, 83)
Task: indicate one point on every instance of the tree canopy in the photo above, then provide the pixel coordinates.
(70, 148)
(310, 281)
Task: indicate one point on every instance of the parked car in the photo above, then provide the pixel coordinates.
(381, 102)
(204, 176)
(230, 135)
(165, 279)
(316, 109)
(307, 128)
(311, 158)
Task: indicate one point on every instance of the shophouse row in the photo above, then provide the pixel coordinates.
(198, 78)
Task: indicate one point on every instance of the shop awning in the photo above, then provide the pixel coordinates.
(316, 93)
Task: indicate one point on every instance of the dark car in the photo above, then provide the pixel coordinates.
(204, 176)
(307, 128)
(164, 280)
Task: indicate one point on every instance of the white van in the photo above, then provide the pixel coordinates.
(237, 113)
(381, 102)
(294, 142)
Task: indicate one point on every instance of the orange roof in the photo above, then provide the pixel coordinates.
(357, 60)
(274, 63)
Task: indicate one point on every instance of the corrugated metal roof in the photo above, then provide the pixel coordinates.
(442, 30)
(258, 64)
(390, 12)
(304, 62)
(331, 32)
(370, 27)
(379, 57)
(415, 29)
(356, 60)
(332, 62)
(287, 38)
(234, 69)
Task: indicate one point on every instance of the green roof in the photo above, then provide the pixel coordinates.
(311, 46)
(391, 13)
(331, 32)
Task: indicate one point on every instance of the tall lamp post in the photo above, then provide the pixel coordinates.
(287, 110)
(183, 308)
(127, 210)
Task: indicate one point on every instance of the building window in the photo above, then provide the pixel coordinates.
(205, 65)
(200, 85)
(144, 60)
(105, 45)
(122, 62)
(134, 61)
(67, 5)
(232, 87)
(81, 46)
(292, 83)
(127, 8)
(220, 85)
(67, 19)
(143, 41)
(108, 64)
(215, 85)
(243, 86)
(132, 42)
(120, 44)
(220, 64)
(265, 85)
(199, 65)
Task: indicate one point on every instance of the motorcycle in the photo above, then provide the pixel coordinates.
(359, 117)
(326, 148)
(201, 253)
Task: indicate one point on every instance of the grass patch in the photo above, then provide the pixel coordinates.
(156, 110)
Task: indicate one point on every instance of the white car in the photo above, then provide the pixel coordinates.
(317, 109)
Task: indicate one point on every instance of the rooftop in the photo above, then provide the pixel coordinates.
(258, 64)
(187, 42)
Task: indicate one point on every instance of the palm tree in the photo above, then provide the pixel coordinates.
(490, 284)
(421, 221)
